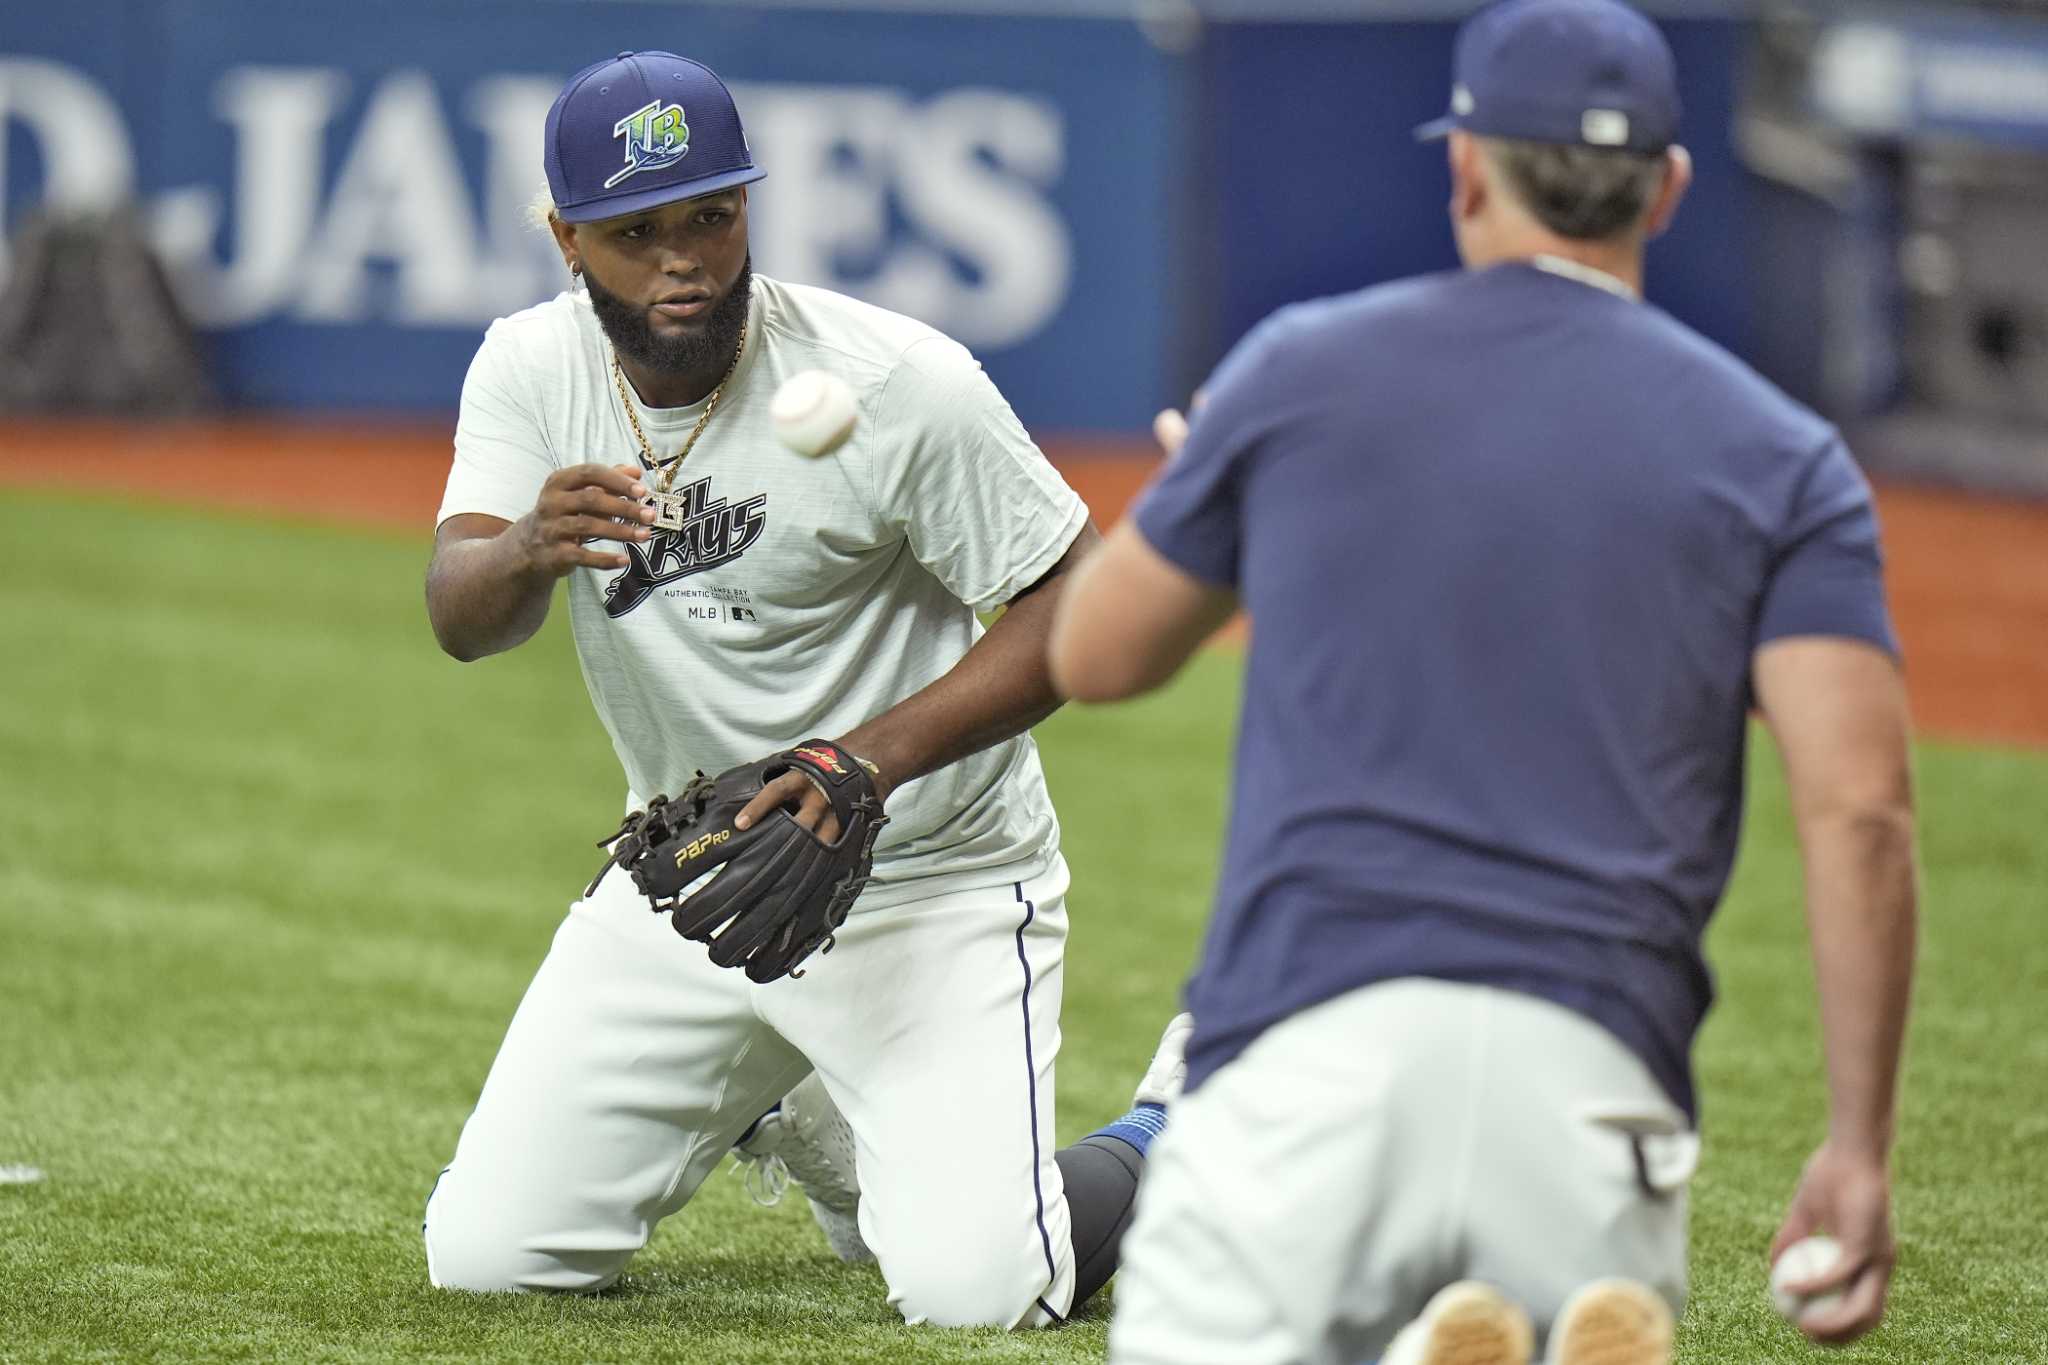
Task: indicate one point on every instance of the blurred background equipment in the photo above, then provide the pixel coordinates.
(1903, 155)
(88, 323)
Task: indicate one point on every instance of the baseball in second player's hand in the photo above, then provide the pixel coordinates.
(1848, 1195)
(584, 503)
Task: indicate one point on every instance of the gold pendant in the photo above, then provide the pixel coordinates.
(670, 509)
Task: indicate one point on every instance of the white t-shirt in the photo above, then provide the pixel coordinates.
(805, 596)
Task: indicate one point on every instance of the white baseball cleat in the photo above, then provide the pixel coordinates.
(1169, 1069)
(1468, 1323)
(1612, 1322)
(807, 1140)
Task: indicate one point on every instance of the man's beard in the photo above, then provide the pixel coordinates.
(696, 351)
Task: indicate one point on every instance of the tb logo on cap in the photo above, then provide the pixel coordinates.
(656, 138)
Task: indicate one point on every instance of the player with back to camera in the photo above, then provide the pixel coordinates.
(786, 597)
(1520, 552)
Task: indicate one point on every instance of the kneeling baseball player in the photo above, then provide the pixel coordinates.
(733, 601)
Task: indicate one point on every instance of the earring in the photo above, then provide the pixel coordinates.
(575, 270)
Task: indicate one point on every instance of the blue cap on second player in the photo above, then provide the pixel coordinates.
(640, 130)
(1591, 72)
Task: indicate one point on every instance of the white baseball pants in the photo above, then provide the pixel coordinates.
(633, 1064)
(1310, 1197)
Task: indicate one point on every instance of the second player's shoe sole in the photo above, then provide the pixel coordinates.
(1612, 1322)
(1468, 1323)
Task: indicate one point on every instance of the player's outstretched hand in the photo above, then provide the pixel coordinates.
(1847, 1195)
(582, 503)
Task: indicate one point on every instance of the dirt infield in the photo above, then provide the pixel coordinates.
(1969, 575)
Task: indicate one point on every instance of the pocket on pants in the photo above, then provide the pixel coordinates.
(1664, 1151)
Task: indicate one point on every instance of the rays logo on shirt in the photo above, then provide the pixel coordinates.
(713, 532)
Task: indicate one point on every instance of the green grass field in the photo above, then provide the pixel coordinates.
(273, 873)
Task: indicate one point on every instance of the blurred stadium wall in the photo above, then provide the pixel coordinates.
(1098, 196)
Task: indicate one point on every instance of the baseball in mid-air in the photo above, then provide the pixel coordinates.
(813, 412)
(1804, 1259)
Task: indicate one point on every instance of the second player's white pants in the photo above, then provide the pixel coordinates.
(633, 1064)
(1310, 1197)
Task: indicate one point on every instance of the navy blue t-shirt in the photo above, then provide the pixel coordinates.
(1508, 542)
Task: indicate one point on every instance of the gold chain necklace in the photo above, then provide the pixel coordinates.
(667, 515)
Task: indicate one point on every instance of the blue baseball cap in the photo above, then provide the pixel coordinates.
(640, 130)
(1591, 72)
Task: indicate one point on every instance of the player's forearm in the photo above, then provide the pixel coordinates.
(1000, 688)
(1130, 620)
(1862, 910)
(483, 597)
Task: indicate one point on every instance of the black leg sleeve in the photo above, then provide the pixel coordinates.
(1102, 1175)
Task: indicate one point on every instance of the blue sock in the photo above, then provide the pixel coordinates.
(1137, 1128)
